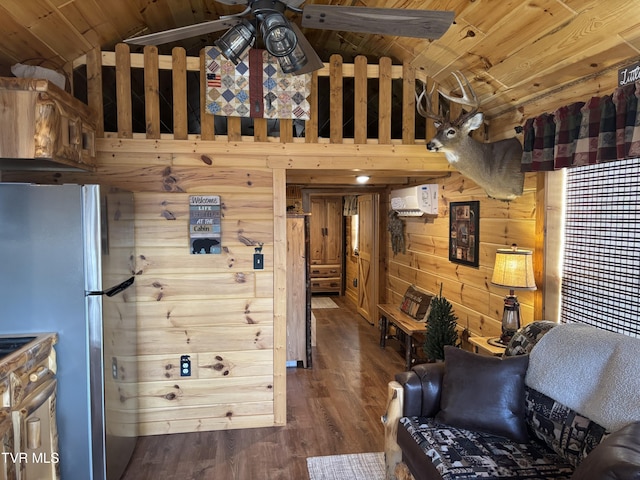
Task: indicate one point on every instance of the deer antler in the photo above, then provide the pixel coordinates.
(427, 112)
(472, 101)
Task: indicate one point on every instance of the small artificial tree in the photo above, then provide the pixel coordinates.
(441, 328)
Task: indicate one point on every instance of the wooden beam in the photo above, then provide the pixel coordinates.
(294, 155)
(279, 297)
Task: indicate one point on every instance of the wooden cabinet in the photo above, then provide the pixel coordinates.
(298, 296)
(44, 127)
(27, 410)
(326, 244)
(7, 445)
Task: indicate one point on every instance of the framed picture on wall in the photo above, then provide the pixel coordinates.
(464, 233)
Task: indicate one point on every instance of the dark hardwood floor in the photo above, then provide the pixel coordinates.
(332, 408)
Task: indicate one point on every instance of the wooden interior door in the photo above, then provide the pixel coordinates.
(298, 316)
(368, 256)
(316, 227)
(333, 231)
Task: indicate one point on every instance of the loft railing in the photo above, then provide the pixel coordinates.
(162, 96)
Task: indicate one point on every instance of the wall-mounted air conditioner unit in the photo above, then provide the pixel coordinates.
(415, 201)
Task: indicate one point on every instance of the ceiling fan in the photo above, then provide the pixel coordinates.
(284, 40)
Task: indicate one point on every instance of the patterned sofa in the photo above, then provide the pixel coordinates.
(563, 403)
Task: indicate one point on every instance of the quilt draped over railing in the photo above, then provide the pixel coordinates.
(600, 130)
(256, 87)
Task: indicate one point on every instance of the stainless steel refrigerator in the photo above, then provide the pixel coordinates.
(66, 266)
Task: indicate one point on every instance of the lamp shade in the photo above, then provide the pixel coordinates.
(514, 269)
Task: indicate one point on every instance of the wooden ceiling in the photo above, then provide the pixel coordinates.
(523, 57)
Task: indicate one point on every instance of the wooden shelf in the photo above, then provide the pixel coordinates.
(45, 127)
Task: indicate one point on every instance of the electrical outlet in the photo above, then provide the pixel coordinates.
(185, 366)
(114, 368)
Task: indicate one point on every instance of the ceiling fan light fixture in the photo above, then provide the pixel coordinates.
(279, 38)
(236, 41)
(294, 61)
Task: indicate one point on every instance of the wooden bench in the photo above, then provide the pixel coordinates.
(392, 315)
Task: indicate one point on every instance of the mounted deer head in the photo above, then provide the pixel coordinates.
(493, 166)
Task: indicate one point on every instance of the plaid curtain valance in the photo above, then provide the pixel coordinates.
(600, 130)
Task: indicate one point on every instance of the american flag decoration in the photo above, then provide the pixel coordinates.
(213, 81)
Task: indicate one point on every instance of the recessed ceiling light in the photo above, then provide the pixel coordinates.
(362, 178)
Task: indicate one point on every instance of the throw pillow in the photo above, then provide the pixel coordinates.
(416, 303)
(616, 458)
(560, 428)
(484, 393)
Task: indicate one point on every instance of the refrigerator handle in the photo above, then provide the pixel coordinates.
(113, 290)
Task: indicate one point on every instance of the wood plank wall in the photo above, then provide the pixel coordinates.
(230, 318)
(476, 302)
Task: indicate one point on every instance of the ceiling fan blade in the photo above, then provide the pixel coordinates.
(313, 60)
(234, 2)
(184, 32)
(385, 21)
(293, 3)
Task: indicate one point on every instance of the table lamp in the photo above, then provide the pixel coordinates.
(513, 270)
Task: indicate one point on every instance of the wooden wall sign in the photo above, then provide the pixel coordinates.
(629, 74)
(204, 224)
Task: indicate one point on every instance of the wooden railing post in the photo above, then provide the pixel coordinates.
(151, 92)
(385, 104)
(311, 127)
(408, 104)
(179, 84)
(94, 88)
(123, 90)
(335, 96)
(360, 100)
(207, 130)
(430, 129)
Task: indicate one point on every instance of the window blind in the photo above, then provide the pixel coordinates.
(601, 262)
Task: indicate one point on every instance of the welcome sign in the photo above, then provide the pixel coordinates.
(629, 74)
(204, 224)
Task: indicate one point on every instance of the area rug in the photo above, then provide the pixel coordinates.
(357, 466)
(322, 302)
